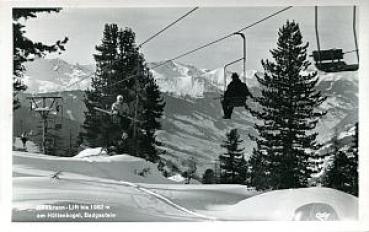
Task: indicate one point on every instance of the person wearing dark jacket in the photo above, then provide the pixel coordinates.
(235, 95)
(24, 139)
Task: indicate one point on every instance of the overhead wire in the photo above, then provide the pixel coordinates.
(167, 27)
(222, 38)
(147, 40)
(208, 44)
(212, 42)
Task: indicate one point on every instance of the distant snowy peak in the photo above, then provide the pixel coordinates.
(173, 69)
(52, 75)
(187, 80)
(178, 79)
(218, 78)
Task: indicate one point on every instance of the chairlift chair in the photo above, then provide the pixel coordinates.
(332, 60)
(107, 102)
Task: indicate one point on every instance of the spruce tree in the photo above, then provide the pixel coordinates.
(354, 161)
(98, 128)
(337, 174)
(153, 105)
(287, 115)
(121, 70)
(209, 177)
(26, 50)
(232, 163)
(342, 174)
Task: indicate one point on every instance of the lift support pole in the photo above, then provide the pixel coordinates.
(44, 111)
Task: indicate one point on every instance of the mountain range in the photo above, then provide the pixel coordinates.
(192, 125)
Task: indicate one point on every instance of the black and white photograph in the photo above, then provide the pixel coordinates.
(186, 113)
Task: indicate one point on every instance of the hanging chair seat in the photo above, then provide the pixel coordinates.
(331, 54)
(331, 61)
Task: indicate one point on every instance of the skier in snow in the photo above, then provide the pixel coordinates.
(236, 93)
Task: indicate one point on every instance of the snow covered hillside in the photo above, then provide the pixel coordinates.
(306, 204)
(103, 188)
(119, 167)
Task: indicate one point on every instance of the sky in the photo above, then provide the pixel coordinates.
(84, 27)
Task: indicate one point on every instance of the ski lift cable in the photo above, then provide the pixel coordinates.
(222, 38)
(148, 39)
(203, 46)
(209, 44)
(167, 27)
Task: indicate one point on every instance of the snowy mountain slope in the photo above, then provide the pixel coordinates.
(195, 128)
(100, 180)
(119, 202)
(50, 75)
(205, 196)
(342, 103)
(192, 122)
(81, 194)
(120, 167)
(187, 80)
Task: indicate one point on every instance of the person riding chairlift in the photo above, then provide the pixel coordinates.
(234, 96)
(121, 109)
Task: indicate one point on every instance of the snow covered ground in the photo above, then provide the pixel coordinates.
(117, 188)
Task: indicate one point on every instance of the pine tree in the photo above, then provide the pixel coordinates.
(153, 105)
(25, 50)
(259, 175)
(343, 172)
(354, 161)
(288, 114)
(232, 163)
(121, 70)
(336, 176)
(208, 177)
(98, 128)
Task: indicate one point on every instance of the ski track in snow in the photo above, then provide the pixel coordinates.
(167, 201)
